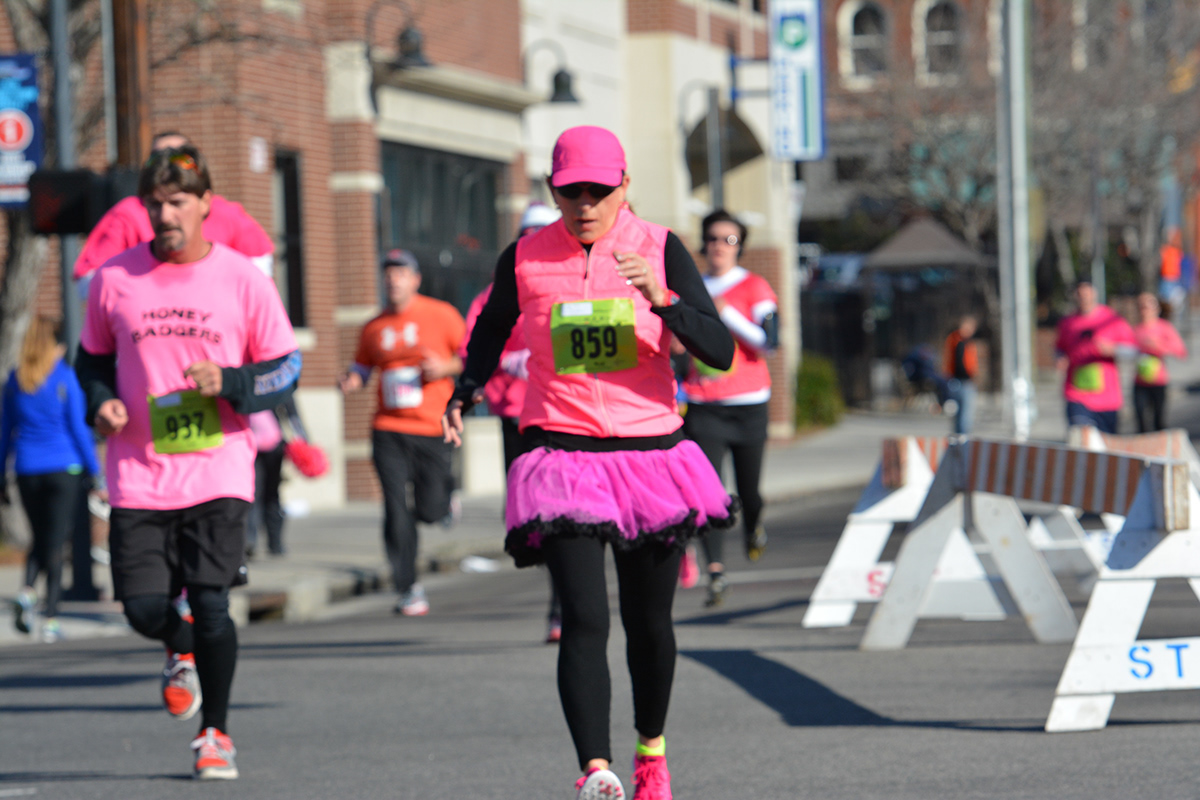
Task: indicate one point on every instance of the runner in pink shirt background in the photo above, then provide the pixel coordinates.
(1157, 340)
(183, 339)
(127, 224)
(1087, 346)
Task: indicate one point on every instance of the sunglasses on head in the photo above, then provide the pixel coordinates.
(731, 240)
(181, 160)
(596, 191)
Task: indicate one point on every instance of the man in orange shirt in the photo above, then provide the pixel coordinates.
(414, 343)
(961, 365)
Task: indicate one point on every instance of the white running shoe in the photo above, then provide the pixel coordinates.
(599, 784)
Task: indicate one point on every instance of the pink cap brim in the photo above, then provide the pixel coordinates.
(608, 177)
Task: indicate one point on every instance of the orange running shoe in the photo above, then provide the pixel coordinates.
(181, 685)
(214, 756)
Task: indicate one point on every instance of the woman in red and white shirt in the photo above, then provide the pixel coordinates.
(727, 409)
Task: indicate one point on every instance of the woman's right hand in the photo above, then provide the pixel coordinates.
(452, 424)
(111, 417)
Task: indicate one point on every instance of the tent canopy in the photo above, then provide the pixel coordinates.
(924, 243)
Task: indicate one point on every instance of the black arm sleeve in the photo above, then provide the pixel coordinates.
(262, 385)
(98, 377)
(492, 328)
(694, 318)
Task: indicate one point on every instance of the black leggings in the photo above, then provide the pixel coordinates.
(49, 502)
(742, 430)
(646, 579)
(212, 637)
(1150, 406)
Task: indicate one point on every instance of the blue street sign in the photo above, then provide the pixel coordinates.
(22, 136)
(797, 84)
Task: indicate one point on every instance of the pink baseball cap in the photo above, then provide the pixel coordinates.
(587, 154)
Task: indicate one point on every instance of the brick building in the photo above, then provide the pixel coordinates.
(315, 116)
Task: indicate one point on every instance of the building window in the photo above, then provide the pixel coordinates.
(289, 235)
(941, 39)
(442, 207)
(868, 41)
(937, 41)
(862, 44)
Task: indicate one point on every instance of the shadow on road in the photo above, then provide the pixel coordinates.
(60, 777)
(807, 703)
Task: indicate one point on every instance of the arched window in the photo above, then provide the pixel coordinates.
(868, 40)
(943, 49)
(862, 43)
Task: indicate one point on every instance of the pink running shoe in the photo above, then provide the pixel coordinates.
(600, 784)
(689, 570)
(651, 781)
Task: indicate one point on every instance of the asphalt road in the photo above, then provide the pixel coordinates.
(462, 704)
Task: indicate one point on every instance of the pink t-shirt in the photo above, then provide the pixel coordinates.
(159, 319)
(127, 224)
(1156, 340)
(1092, 377)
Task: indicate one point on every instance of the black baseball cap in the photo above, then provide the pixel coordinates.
(398, 257)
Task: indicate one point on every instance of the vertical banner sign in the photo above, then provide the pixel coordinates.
(21, 134)
(797, 93)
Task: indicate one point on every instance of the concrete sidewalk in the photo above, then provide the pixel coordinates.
(337, 555)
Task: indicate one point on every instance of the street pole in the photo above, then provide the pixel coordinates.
(716, 171)
(132, 78)
(1013, 218)
(64, 122)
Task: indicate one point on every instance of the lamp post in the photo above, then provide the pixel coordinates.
(1013, 219)
(563, 80)
(409, 44)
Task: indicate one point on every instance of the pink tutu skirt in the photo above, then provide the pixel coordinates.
(626, 498)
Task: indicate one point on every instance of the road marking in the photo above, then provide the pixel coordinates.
(23, 792)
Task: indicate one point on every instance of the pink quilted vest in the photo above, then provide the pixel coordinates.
(553, 267)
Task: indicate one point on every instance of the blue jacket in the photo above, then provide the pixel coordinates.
(46, 430)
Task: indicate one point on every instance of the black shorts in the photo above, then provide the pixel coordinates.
(730, 425)
(159, 552)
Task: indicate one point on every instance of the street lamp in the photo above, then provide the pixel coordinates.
(409, 45)
(562, 91)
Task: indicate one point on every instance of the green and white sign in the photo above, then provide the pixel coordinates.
(797, 88)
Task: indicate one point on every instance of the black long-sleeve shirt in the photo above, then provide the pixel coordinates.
(693, 319)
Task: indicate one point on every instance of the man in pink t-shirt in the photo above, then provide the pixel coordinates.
(1087, 346)
(127, 224)
(184, 337)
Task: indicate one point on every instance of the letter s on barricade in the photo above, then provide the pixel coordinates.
(1148, 667)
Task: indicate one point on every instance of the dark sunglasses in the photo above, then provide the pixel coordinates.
(596, 191)
(731, 240)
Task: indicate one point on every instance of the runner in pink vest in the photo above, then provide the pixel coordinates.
(727, 410)
(601, 293)
(127, 224)
(1087, 347)
(1157, 340)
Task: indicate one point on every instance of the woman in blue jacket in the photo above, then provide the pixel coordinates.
(42, 425)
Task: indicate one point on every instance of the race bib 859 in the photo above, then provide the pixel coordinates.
(593, 336)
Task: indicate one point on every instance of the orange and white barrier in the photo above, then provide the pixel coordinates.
(895, 495)
(979, 483)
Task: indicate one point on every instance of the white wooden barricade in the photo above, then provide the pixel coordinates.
(1161, 539)
(855, 574)
(976, 487)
